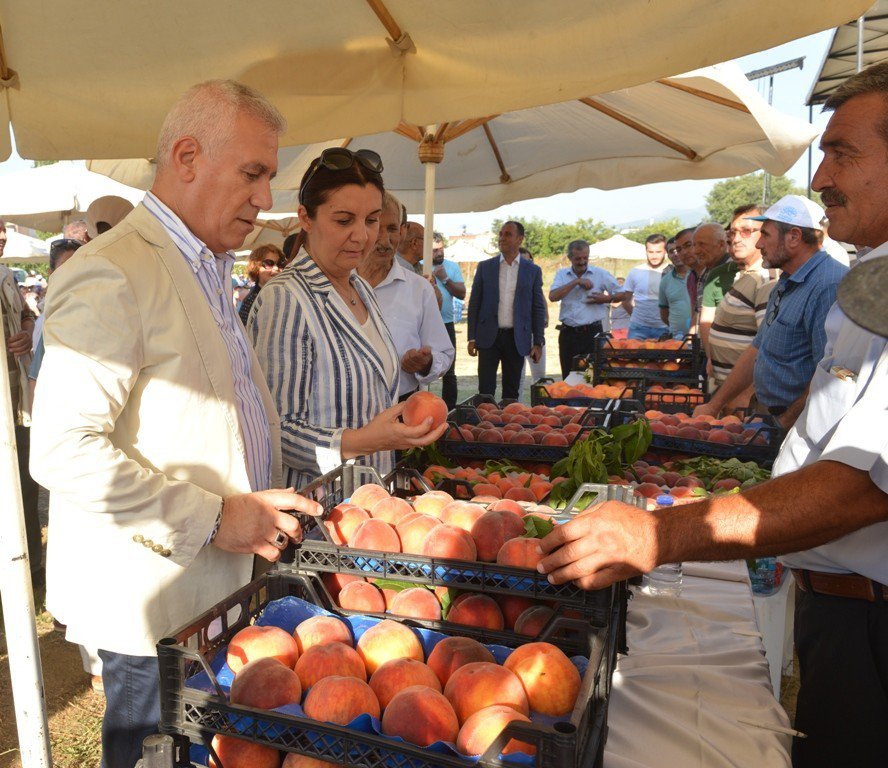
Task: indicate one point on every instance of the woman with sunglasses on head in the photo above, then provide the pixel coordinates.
(266, 261)
(319, 335)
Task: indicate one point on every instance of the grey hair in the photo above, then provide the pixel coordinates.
(390, 201)
(207, 112)
(575, 245)
(718, 229)
(873, 79)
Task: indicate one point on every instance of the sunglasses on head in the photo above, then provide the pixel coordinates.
(66, 244)
(341, 159)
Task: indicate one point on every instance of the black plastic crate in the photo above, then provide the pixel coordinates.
(465, 449)
(761, 446)
(325, 556)
(574, 742)
(689, 353)
(468, 413)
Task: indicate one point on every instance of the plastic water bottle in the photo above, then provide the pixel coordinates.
(765, 574)
(664, 579)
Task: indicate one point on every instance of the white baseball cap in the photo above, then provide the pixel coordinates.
(110, 210)
(795, 210)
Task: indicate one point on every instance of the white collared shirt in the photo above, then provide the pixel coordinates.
(846, 420)
(508, 281)
(410, 310)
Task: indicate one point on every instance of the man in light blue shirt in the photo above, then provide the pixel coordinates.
(449, 279)
(675, 301)
(585, 293)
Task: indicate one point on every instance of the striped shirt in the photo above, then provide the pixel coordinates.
(323, 372)
(738, 318)
(213, 275)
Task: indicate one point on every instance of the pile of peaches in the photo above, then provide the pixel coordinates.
(561, 390)
(664, 393)
(457, 694)
(729, 430)
(520, 424)
(436, 525)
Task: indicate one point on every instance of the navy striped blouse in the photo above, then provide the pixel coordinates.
(323, 373)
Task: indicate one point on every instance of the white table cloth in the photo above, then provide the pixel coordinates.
(695, 690)
(774, 615)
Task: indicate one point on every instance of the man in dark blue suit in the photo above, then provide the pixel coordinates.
(506, 314)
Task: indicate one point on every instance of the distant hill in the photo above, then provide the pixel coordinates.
(687, 216)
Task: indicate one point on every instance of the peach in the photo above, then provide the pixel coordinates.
(343, 520)
(293, 760)
(432, 502)
(257, 642)
(520, 437)
(550, 679)
(451, 653)
(420, 716)
(334, 582)
(649, 490)
(492, 530)
(266, 684)
(416, 603)
(361, 596)
(482, 684)
(481, 729)
(326, 660)
(520, 553)
(516, 408)
(508, 505)
(388, 640)
(512, 607)
(555, 439)
(391, 510)
(722, 436)
(376, 534)
(476, 611)
(487, 489)
(340, 700)
(396, 675)
(689, 481)
(462, 516)
(460, 434)
(689, 433)
(320, 630)
(412, 531)
(367, 495)
(424, 405)
(532, 621)
(491, 436)
(726, 484)
(485, 499)
(448, 541)
(237, 753)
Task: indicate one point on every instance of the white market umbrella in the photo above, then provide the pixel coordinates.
(619, 248)
(270, 229)
(95, 79)
(710, 123)
(24, 250)
(469, 248)
(50, 196)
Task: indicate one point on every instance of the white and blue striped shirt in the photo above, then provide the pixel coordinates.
(323, 372)
(213, 275)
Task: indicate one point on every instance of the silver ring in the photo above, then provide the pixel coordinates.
(280, 541)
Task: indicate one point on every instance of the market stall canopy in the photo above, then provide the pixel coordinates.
(23, 249)
(840, 60)
(617, 247)
(94, 79)
(270, 229)
(50, 196)
(710, 123)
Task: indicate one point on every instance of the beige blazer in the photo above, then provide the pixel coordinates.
(135, 433)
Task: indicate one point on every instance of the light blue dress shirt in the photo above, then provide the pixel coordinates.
(575, 310)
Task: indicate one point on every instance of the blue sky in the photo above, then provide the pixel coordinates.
(649, 201)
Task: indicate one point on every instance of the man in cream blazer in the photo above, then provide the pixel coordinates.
(153, 426)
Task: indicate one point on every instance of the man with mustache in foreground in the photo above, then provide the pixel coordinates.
(408, 306)
(828, 502)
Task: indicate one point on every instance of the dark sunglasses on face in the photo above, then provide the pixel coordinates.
(66, 244)
(341, 159)
(269, 263)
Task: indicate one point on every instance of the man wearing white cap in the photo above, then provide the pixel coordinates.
(781, 359)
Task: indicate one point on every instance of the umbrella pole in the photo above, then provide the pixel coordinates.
(431, 152)
(18, 601)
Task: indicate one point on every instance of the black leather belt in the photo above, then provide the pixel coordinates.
(596, 326)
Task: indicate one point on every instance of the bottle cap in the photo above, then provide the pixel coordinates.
(665, 500)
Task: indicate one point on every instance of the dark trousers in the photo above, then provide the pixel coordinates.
(132, 709)
(503, 351)
(842, 645)
(575, 341)
(449, 388)
(29, 498)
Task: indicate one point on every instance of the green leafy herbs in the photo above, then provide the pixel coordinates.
(427, 456)
(395, 586)
(598, 455)
(710, 471)
(537, 527)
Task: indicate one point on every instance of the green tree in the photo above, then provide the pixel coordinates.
(41, 163)
(729, 194)
(666, 227)
(545, 239)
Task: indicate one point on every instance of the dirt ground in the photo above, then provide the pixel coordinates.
(75, 711)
